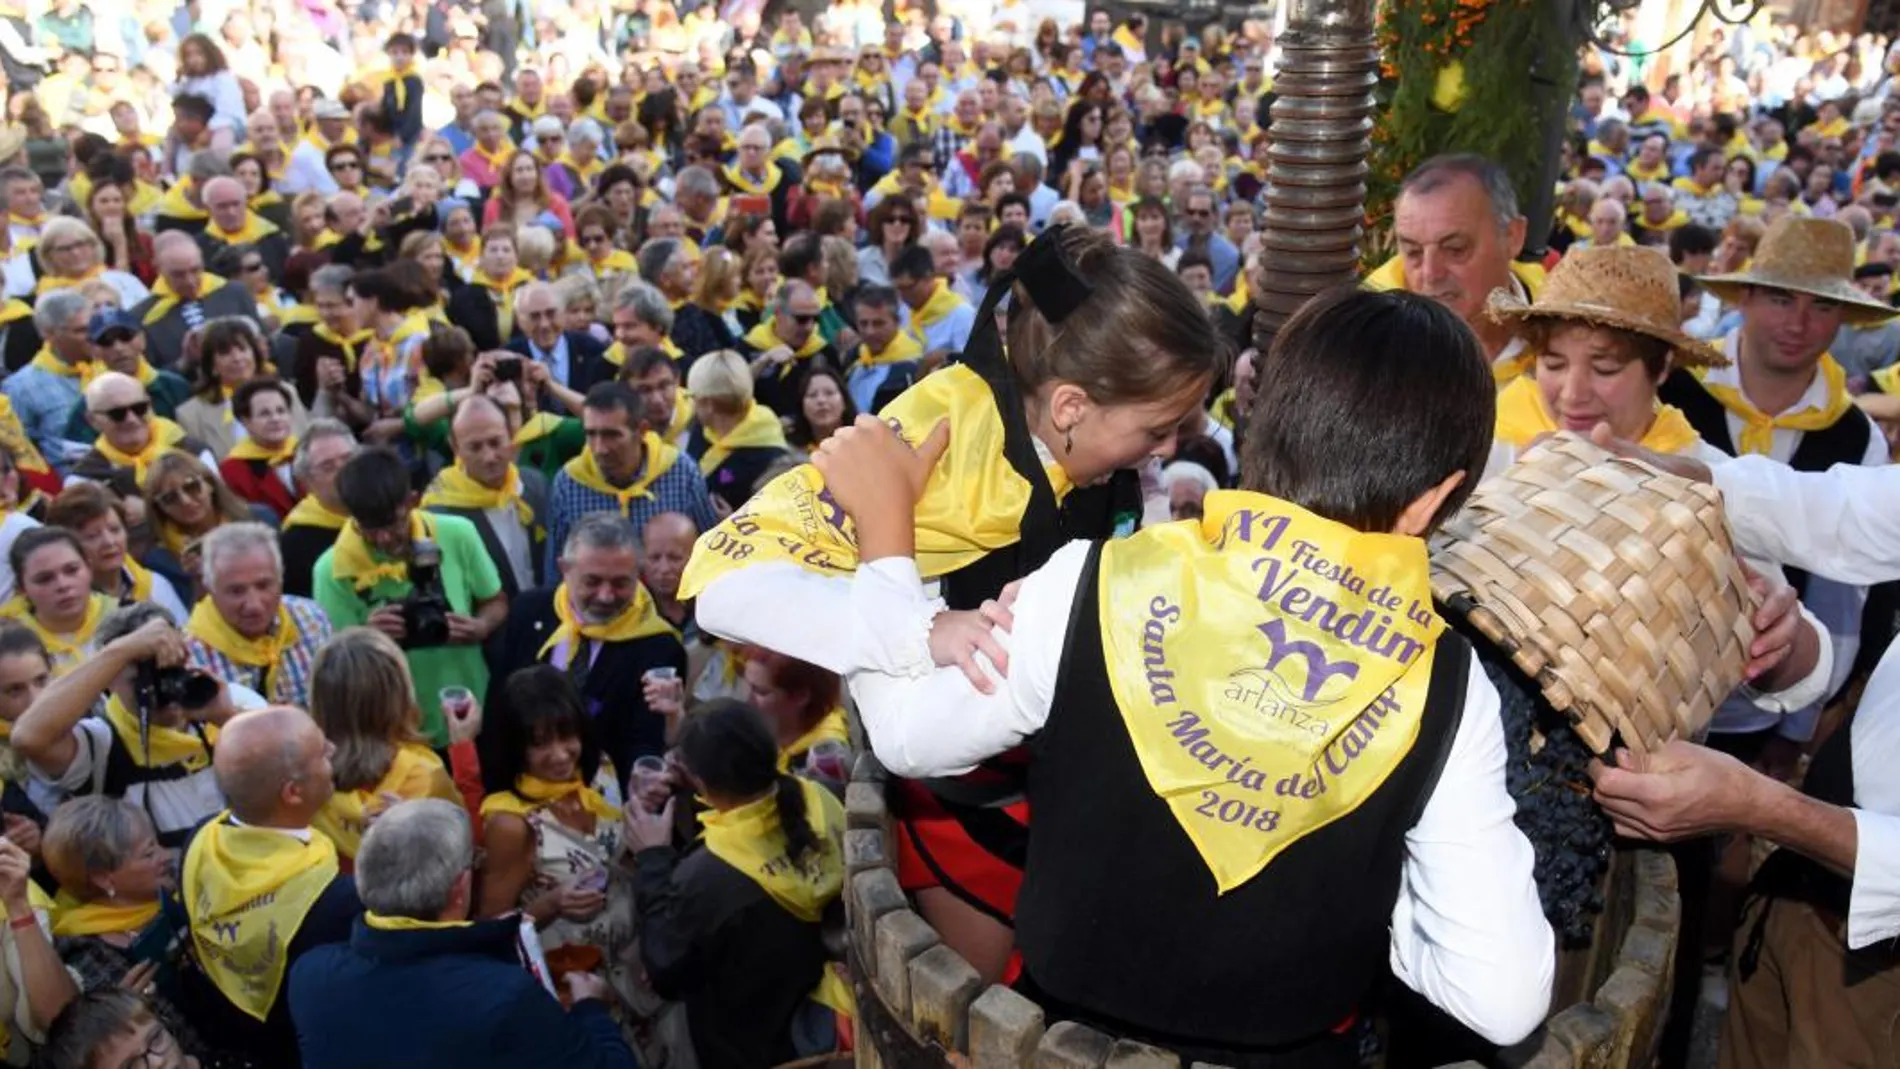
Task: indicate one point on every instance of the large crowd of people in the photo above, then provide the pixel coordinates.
(477, 477)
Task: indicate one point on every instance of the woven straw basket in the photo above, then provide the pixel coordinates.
(1611, 584)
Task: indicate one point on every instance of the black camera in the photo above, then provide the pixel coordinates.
(186, 688)
(425, 612)
(508, 370)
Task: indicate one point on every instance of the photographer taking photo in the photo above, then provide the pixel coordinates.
(153, 745)
(422, 579)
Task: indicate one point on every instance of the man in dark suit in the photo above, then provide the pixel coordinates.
(233, 227)
(184, 298)
(485, 487)
(575, 360)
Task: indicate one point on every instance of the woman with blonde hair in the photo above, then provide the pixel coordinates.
(363, 698)
(306, 221)
(71, 254)
(758, 282)
(435, 151)
(185, 501)
(700, 325)
(580, 307)
(735, 438)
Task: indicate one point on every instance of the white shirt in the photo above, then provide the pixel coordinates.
(305, 172)
(515, 544)
(1468, 931)
(1843, 523)
(1026, 140)
(12, 526)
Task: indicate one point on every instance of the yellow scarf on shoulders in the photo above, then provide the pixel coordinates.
(169, 746)
(617, 262)
(943, 300)
(248, 890)
(165, 434)
(759, 187)
(351, 345)
(65, 650)
(640, 619)
(503, 292)
(1522, 416)
(71, 917)
(1758, 427)
(1676, 221)
(758, 429)
(660, 457)
(902, 348)
(256, 228)
(1530, 277)
(49, 283)
(408, 924)
(761, 338)
(397, 78)
(147, 374)
(53, 365)
(177, 203)
(309, 512)
(832, 727)
(209, 626)
(353, 561)
(136, 581)
(498, 158)
(972, 504)
(167, 299)
(1270, 667)
(249, 449)
(540, 426)
(532, 793)
(414, 772)
(1640, 173)
(454, 488)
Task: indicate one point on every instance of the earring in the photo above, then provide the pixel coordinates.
(1068, 441)
(110, 892)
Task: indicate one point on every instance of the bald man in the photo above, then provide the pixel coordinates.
(485, 487)
(238, 238)
(665, 543)
(260, 886)
(130, 435)
(575, 359)
(182, 301)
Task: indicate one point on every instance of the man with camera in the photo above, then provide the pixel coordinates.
(153, 745)
(246, 630)
(485, 487)
(424, 580)
(573, 359)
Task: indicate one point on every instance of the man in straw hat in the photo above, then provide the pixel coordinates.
(1784, 397)
(1459, 232)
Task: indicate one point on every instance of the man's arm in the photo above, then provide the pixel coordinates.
(1841, 524)
(44, 733)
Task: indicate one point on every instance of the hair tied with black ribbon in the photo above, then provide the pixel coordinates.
(1050, 279)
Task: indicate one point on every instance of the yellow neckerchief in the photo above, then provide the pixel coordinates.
(527, 111)
(619, 261)
(376, 920)
(274, 169)
(414, 772)
(503, 291)
(660, 457)
(177, 203)
(135, 580)
(309, 512)
(465, 256)
(353, 561)
(943, 300)
(396, 76)
(1236, 302)
(49, 283)
(1391, 276)
(972, 504)
(539, 426)
(1758, 427)
(1837, 128)
(1637, 171)
(350, 345)
(832, 727)
(53, 365)
(498, 157)
(26, 456)
(248, 891)
(68, 648)
(955, 125)
(454, 488)
(1129, 43)
(531, 793)
(30, 222)
(762, 187)
(251, 449)
(1270, 666)
(759, 428)
(1677, 219)
(1621, 239)
(640, 619)
(585, 172)
(902, 347)
(209, 626)
(256, 228)
(1690, 187)
(1522, 416)
(71, 917)
(1212, 108)
(922, 123)
(325, 239)
(146, 374)
(165, 434)
(169, 746)
(168, 300)
(709, 224)
(762, 338)
(323, 145)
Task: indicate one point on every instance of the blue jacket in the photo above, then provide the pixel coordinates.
(457, 998)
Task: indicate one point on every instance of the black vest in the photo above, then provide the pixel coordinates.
(1119, 921)
(123, 773)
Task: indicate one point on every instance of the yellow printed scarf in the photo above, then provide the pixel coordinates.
(71, 917)
(1758, 427)
(1270, 666)
(351, 345)
(660, 456)
(247, 891)
(972, 505)
(309, 512)
(249, 449)
(758, 429)
(1522, 416)
(902, 348)
(414, 772)
(46, 361)
(169, 746)
(209, 626)
(26, 456)
(761, 187)
(532, 793)
(256, 228)
(832, 727)
(354, 562)
(640, 619)
(165, 434)
(65, 650)
(167, 300)
(49, 283)
(761, 338)
(943, 300)
(454, 488)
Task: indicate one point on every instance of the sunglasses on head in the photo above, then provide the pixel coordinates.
(119, 413)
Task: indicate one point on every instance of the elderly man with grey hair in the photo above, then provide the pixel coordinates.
(418, 983)
(45, 391)
(312, 527)
(574, 359)
(181, 302)
(696, 192)
(669, 263)
(781, 347)
(641, 316)
(246, 630)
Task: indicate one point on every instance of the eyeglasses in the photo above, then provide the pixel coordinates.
(439, 157)
(346, 165)
(70, 246)
(157, 1050)
(119, 413)
(593, 239)
(250, 267)
(803, 319)
(193, 486)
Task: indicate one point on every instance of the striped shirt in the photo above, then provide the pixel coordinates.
(681, 488)
(290, 685)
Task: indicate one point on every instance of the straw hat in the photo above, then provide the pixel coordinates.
(1612, 585)
(1628, 287)
(1805, 255)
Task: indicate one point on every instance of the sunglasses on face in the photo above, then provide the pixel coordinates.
(802, 319)
(191, 487)
(248, 268)
(120, 413)
(440, 157)
(346, 165)
(593, 239)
